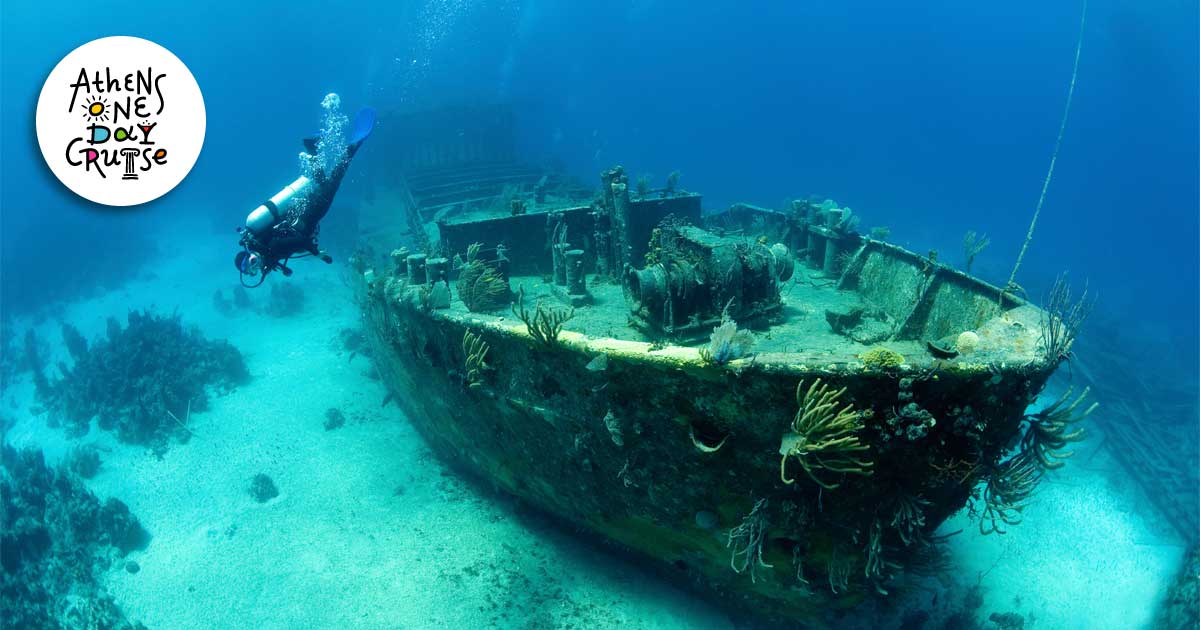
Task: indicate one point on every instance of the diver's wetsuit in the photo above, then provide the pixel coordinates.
(276, 233)
(297, 233)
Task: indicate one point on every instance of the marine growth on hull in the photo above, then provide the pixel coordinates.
(763, 398)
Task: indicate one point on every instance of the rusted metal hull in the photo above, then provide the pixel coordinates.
(665, 454)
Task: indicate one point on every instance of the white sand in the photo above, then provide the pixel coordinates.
(1090, 552)
(370, 531)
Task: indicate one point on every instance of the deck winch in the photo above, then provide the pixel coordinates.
(693, 277)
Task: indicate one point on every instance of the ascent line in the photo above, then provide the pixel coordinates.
(1062, 128)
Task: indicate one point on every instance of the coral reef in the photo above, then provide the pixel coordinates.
(543, 324)
(727, 343)
(480, 286)
(262, 488)
(643, 186)
(353, 341)
(35, 362)
(56, 539)
(882, 358)
(475, 350)
(838, 569)
(1062, 318)
(929, 558)
(967, 423)
(909, 518)
(140, 377)
(1047, 434)
(1011, 483)
(911, 423)
(1181, 607)
(967, 342)
(824, 437)
(672, 183)
(334, 418)
(84, 460)
(877, 568)
(1007, 491)
(973, 245)
(76, 345)
(746, 541)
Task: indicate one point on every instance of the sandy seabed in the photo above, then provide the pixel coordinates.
(371, 531)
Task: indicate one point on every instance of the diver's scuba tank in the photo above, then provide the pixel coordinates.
(259, 256)
(271, 212)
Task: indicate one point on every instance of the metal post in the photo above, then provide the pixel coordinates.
(416, 269)
(575, 280)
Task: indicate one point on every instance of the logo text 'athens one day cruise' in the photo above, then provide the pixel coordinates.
(120, 121)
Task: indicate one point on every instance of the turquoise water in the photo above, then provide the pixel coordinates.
(932, 119)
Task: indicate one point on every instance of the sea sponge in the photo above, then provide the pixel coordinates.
(967, 342)
(882, 358)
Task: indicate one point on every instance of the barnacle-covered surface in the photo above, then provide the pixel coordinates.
(667, 453)
(762, 402)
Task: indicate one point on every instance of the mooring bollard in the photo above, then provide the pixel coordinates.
(832, 247)
(559, 263)
(575, 279)
(416, 269)
(400, 261)
(437, 270)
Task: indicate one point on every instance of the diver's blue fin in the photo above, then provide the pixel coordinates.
(364, 123)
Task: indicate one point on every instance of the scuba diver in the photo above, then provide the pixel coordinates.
(286, 225)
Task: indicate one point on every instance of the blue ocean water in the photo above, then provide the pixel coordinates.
(931, 118)
(936, 119)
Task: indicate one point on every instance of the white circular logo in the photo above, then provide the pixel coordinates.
(120, 121)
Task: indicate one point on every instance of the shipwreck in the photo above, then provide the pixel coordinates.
(762, 402)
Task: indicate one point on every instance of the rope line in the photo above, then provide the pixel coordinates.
(1062, 128)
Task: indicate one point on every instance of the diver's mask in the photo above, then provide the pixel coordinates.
(248, 263)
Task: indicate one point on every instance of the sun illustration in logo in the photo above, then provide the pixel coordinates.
(96, 109)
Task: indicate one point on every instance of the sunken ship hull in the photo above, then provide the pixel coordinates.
(590, 399)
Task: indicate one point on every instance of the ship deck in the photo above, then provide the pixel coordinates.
(804, 335)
